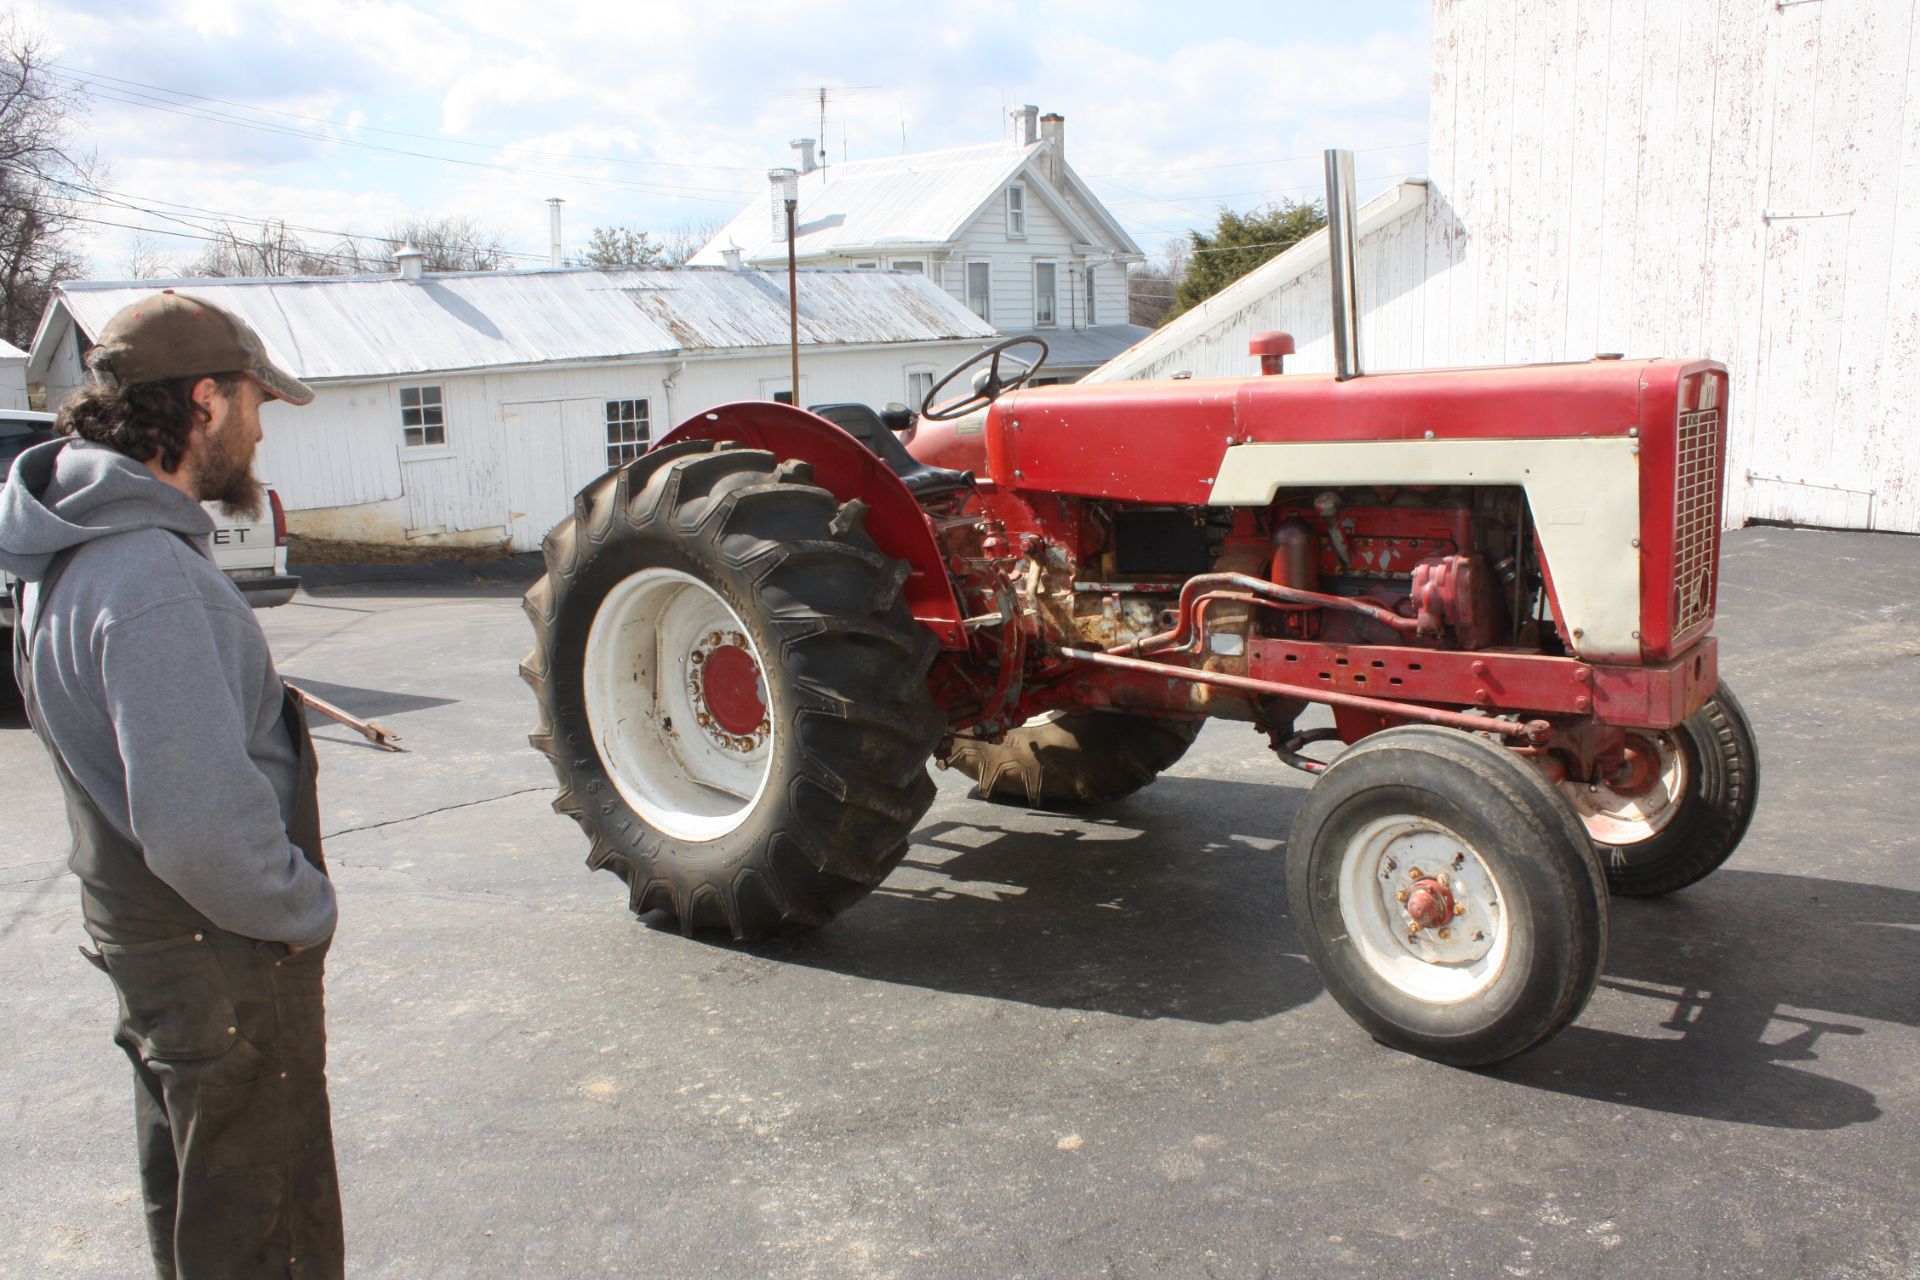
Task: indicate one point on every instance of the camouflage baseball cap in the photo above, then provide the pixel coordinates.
(172, 335)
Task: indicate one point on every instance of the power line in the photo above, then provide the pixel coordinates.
(1268, 191)
(109, 94)
(1249, 164)
(78, 72)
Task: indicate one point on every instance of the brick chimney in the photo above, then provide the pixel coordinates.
(1025, 128)
(803, 151)
(1053, 131)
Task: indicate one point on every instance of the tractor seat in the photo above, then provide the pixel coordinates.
(924, 482)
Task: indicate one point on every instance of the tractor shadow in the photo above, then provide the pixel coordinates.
(1734, 986)
(1172, 904)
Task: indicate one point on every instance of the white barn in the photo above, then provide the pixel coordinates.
(1007, 228)
(469, 408)
(1702, 177)
(13, 377)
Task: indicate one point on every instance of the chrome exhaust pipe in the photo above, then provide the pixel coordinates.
(1342, 247)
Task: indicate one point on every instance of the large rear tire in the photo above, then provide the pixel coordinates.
(1074, 759)
(1689, 811)
(1447, 896)
(733, 693)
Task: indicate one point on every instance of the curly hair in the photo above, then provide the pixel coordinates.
(145, 420)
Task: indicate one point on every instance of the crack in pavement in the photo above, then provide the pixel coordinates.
(464, 804)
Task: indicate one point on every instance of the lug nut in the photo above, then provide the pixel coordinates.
(1417, 874)
(1459, 909)
(1413, 927)
(1400, 896)
(1445, 934)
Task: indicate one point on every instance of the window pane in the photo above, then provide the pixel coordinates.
(978, 299)
(409, 396)
(429, 395)
(409, 417)
(1090, 297)
(918, 268)
(415, 436)
(1043, 293)
(918, 384)
(430, 414)
(436, 435)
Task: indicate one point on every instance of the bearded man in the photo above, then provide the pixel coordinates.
(189, 782)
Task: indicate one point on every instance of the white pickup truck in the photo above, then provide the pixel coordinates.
(253, 554)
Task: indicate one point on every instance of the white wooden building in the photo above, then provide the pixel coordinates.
(1738, 179)
(13, 377)
(1007, 228)
(470, 408)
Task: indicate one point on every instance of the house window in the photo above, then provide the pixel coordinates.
(1043, 293)
(1090, 293)
(919, 383)
(914, 265)
(1016, 213)
(980, 289)
(423, 420)
(783, 397)
(626, 431)
(869, 264)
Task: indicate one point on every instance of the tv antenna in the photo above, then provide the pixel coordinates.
(820, 97)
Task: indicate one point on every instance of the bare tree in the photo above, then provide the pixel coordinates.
(450, 243)
(688, 238)
(267, 249)
(144, 260)
(42, 170)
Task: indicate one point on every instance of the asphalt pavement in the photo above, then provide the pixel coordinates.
(1049, 1046)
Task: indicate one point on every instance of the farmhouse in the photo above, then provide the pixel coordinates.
(1730, 181)
(1005, 227)
(470, 408)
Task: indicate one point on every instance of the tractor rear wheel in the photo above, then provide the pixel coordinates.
(1074, 758)
(1447, 896)
(1684, 805)
(732, 691)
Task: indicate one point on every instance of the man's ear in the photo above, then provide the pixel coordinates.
(202, 393)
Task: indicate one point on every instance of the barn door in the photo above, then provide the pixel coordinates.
(539, 495)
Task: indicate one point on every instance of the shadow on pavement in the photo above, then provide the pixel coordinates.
(368, 704)
(1745, 974)
(1168, 905)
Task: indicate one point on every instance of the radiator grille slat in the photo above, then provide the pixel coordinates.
(1696, 518)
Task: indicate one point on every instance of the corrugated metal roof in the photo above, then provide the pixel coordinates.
(1078, 348)
(927, 198)
(373, 326)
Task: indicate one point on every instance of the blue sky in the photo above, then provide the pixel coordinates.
(663, 115)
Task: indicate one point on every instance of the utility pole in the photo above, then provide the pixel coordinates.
(786, 183)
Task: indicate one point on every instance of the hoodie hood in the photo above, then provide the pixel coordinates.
(67, 492)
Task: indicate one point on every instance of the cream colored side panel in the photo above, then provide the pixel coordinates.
(1585, 497)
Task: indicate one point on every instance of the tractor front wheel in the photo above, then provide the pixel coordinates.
(733, 693)
(1681, 804)
(1070, 759)
(1447, 896)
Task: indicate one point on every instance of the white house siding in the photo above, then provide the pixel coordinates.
(342, 469)
(1047, 238)
(1727, 178)
(13, 383)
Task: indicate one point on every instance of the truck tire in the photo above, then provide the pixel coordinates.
(1072, 759)
(733, 693)
(1508, 946)
(1694, 813)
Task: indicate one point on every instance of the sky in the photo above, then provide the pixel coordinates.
(342, 116)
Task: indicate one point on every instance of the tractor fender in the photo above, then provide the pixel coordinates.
(849, 471)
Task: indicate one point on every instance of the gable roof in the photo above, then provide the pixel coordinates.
(10, 353)
(373, 326)
(901, 203)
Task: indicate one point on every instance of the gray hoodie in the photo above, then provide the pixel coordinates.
(155, 683)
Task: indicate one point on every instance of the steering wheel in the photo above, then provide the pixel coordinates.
(988, 385)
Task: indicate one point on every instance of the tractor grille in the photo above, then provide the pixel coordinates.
(1696, 518)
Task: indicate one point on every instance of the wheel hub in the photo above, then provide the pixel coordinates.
(1639, 768)
(1423, 909)
(1638, 799)
(727, 688)
(1431, 903)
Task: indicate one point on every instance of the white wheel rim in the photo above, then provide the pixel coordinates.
(686, 771)
(1441, 963)
(1615, 819)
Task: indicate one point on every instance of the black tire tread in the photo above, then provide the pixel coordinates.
(1077, 760)
(853, 793)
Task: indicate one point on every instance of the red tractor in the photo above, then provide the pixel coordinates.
(751, 641)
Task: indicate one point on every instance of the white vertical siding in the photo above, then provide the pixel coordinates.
(1637, 175)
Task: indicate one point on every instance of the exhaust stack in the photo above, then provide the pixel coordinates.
(1342, 245)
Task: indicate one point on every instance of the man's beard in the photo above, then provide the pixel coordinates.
(226, 478)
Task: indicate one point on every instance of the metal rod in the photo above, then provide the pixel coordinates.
(1533, 730)
(1342, 247)
(372, 730)
(793, 300)
(1205, 582)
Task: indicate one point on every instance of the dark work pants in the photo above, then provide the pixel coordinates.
(228, 1042)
